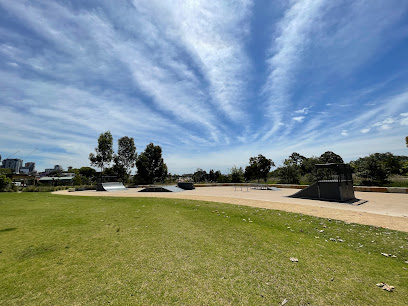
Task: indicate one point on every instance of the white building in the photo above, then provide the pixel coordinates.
(28, 168)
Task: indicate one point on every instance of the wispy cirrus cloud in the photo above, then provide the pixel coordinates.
(293, 35)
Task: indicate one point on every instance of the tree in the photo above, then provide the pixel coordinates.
(404, 168)
(4, 182)
(330, 157)
(223, 179)
(211, 176)
(371, 170)
(5, 171)
(200, 175)
(104, 151)
(87, 172)
(126, 157)
(288, 174)
(214, 175)
(259, 167)
(294, 159)
(237, 174)
(291, 171)
(391, 162)
(406, 141)
(308, 167)
(150, 165)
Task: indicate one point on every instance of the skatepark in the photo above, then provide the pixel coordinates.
(388, 210)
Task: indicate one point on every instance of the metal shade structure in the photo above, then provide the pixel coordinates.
(335, 184)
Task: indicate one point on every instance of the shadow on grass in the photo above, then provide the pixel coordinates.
(10, 229)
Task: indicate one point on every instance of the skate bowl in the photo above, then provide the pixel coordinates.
(110, 186)
(162, 189)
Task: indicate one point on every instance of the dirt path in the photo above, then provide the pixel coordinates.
(381, 209)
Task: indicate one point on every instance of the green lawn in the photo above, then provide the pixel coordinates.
(64, 250)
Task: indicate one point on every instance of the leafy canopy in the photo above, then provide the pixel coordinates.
(150, 165)
(259, 167)
(104, 151)
(126, 157)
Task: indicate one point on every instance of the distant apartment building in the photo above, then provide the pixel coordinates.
(28, 168)
(14, 164)
(55, 169)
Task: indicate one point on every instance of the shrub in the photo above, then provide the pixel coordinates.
(4, 182)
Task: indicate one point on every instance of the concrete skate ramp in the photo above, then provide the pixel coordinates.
(328, 191)
(162, 189)
(111, 186)
(311, 192)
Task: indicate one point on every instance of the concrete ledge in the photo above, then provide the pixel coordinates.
(397, 190)
(370, 189)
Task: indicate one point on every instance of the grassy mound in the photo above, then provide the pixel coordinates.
(81, 250)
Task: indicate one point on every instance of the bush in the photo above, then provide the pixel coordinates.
(4, 182)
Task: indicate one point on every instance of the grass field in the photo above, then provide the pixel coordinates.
(60, 250)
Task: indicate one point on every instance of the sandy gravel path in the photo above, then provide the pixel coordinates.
(380, 209)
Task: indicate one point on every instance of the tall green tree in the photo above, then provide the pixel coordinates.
(295, 159)
(330, 157)
(259, 167)
(150, 165)
(126, 157)
(104, 151)
(237, 174)
(291, 171)
(200, 175)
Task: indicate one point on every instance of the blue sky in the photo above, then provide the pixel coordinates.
(212, 82)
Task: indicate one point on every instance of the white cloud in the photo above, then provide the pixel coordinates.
(344, 133)
(299, 119)
(286, 52)
(385, 127)
(364, 131)
(213, 33)
(304, 110)
(404, 119)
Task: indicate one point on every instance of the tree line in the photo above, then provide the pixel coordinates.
(373, 170)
